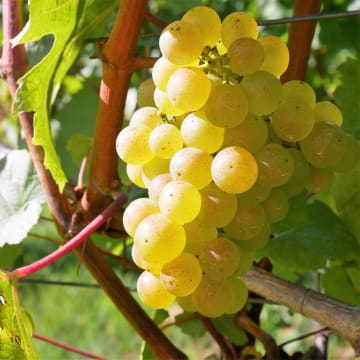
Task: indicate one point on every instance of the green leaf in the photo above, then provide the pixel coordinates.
(146, 353)
(347, 95)
(337, 284)
(193, 327)
(226, 326)
(78, 145)
(70, 22)
(311, 235)
(8, 255)
(20, 196)
(15, 325)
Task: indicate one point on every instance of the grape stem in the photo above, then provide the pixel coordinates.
(71, 244)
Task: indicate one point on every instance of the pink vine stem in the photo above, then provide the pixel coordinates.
(71, 244)
(67, 347)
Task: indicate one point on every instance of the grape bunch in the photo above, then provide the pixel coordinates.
(221, 145)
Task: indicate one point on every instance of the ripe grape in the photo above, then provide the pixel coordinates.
(234, 170)
(188, 89)
(192, 165)
(240, 297)
(245, 55)
(158, 239)
(134, 173)
(351, 155)
(156, 185)
(299, 90)
(276, 205)
(258, 241)
(151, 291)
(145, 93)
(182, 275)
(258, 191)
(161, 72)
(154, 268)
(147, 115)
(153, 168)
(227, 106)
(165, 140)
(320, 180)
(181, 42)
(165, 105)
(245, 263)
(327, 111)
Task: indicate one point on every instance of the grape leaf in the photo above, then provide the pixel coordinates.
(226, 326)
(20, 196)
(70, 22)
(193, 328)
(15, 325)
(8, 255)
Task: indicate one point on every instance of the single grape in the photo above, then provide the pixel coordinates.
(153, 168)
(151, 291)
(227, 106)
(251, 134)
(181, 42)
(299, 90)
(192, 165)
(264, 92)
(234, 170)
(212, 297)
(246, 56)
(148, 116)
(258, 241)
(248, 221)
(258, 191)
(240, 297)
(158, 239)
(136, 211)
(238, 25)
(320, 180)
(276, 205)
(351, 155)
(182, 275)
(156, 185)
(219, 258)
(327, 111)
(134, 173)
(245, 263)
(145, 93)
(276, 165)
(165, 105)
(132, 144)
(188, 89)
(198, 132)
(180, 201)
(276, 55)
(217, 207)
(207, 21)
(293, 120)
(161, 72)
(165, 140)
(154, 268)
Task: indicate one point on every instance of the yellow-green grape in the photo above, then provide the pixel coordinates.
(217, 207)
(293, 120)
(181, 42)
(295, 185)
(299, 90)
(207, 21)
(192, 165)
(264, 92)
(165, 105)
(245, 263)
(212, 297)
(180, 201)
(186, 303)
(158, 239)
(238, 25)
(276, 205)
(227, 106)
(134, 173)
(154, 268)
(165, 140)
(161, 72)
(198, 233)
(248, 221)
(320, 180)
(197, 131)
(156, 185)
(132, 144)
(152, 293)
(276, 55)
(154, 167)
(137, 211)
(148, 116)
(275, 164)
(327, 111)
(251, 134)
(351, 155)
(259, 192)
(176, 120)
(219, 258)
(240, 297)
(188, 88)
(325, 146)
(145, 93)
(182, 275)
(246, 56)
(272, 137)
(234, 170)
(258, 241)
